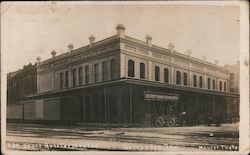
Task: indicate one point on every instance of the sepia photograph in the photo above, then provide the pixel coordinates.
(124, 77)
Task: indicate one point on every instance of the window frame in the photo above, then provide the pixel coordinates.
(131, 68)
(194, 80)
(142, 70)
(74, 77)
(87, 74)
(178, 77)
(96, 72)
(80, 76)
(67, 79)
(113, 69)
(200, 82)
(225, 86)
(157, 73)
(166, 75)
(220, 84)
(185, 79)
(208, 83)
(104, 71)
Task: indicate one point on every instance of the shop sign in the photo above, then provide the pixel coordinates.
(155, 96)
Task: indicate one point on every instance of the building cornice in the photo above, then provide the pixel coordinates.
(164, 51)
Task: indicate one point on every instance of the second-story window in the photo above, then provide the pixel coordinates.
(67, 79)
(131, 68)
(225, 86)
(194, 80)
(208, 83)
(142, 70)
(178, 77)
(74, 77)
(104, 71)
(87, 74)
(113, 70)
(80, 76)
(166, 75)
(96, 68)
(61, 80)
(185, 78)
(213, 84)
(220, 85)
(200, 81)
(157, 73)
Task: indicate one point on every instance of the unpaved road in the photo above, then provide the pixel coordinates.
(44, 137)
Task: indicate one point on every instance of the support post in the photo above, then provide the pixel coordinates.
(130, 103)
(105, 104)
(84, 106)
(213, 104)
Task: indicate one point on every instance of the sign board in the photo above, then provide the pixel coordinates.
(156, 96)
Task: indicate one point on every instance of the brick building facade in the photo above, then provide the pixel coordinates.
(19, 84)
(106, 82)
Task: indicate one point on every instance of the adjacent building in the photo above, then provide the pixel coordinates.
(20, 84)
(122, 79)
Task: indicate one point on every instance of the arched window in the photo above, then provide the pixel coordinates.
(61, 80)
(142, 70)
(96, 72)
(74, 77)
(194, 80)
(225, 86)
(67, 79)
(157, 73)
(166, 74)
(80, 76)
(113, 69)
(104, 71)
(220, 85)
(87, 74)
(185, 78)
(213, 84)
(208, 83)
(200, 81)
(178, 77)
(131, 68)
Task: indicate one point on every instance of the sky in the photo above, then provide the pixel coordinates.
(35, 29)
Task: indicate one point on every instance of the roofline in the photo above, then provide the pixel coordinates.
(198, 60)
(77, 50)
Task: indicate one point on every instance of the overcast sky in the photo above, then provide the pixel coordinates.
(29, 30)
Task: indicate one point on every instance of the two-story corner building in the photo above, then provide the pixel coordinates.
(121, 79)
(19, 84)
